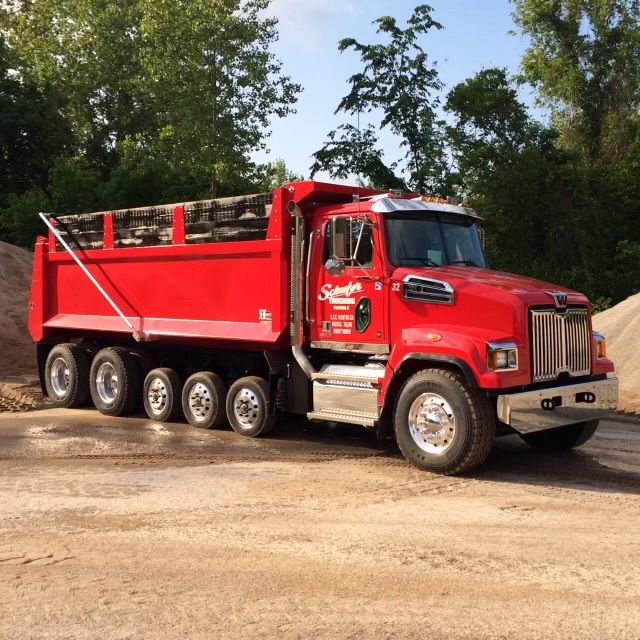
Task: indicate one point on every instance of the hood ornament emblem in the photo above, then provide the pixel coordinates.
(559, 300)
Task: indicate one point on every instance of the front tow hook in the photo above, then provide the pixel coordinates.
(549, 404)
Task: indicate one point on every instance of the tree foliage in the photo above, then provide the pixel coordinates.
(399, 82)
(189, 81)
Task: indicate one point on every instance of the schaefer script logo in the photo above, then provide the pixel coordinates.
(339, 295)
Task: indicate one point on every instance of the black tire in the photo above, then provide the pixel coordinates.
(161, 395)
(122, 398)
(457, 446)
(66, 375)
(248, 407)
(203, 397)
(562, 438)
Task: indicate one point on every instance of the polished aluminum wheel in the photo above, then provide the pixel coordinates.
(248, 409)
(107, 383)
(60, 377)
(201, 402)
(157, 396)
(432, 423)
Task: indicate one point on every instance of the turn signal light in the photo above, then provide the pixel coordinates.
(601, 345)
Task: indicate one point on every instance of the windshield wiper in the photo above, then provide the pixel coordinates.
(425, 261)
(468, 263)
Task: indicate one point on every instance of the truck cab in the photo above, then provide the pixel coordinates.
(434, 346)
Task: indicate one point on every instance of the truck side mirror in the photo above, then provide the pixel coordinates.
(335, 267)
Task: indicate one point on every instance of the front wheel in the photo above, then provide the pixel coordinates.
(441, 425)
(562, 438)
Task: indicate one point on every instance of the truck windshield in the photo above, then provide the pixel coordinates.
(433, 241)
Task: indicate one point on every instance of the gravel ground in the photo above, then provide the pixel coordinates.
(130, 529)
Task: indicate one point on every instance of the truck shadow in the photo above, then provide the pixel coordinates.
(593, 467)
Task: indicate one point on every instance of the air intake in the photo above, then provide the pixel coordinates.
(427, 290)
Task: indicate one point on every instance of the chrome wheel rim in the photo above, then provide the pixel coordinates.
(157, 396)
(247, 408)
(60, 377)
(432, 423)
(107, 383)
(201, 402)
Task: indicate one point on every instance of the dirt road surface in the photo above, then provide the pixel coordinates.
(130, 529)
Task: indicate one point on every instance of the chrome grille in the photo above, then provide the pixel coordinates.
(560, 342)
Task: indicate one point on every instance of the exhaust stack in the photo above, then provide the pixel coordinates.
(296, 325)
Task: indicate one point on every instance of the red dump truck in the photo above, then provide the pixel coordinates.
(325, 301)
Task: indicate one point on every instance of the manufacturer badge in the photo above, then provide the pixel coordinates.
(559, 299)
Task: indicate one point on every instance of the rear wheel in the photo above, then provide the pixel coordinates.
(248, 407)
(66, 375)
(562, 438)
(203, 397)
(441, 425)
(114, 382)
(161, 394)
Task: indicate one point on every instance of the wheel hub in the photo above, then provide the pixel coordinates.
(107, 383)
(247, 408)
(432, 423)
(157, 396)
(200, 402)
(60, 377)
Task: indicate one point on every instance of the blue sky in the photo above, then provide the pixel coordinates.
(475, 36)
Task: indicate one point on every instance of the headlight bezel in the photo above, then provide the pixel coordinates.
(502, 356)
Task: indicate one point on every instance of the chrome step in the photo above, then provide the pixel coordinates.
(353, 417)
(350, 373)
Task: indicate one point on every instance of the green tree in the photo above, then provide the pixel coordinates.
(194, 82)
(275, 174)
(400, 82)
(32, 133)
(584, 61)
(19, 221)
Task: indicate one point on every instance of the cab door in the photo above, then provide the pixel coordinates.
(347, 294)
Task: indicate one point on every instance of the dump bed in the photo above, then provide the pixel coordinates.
(214, 270)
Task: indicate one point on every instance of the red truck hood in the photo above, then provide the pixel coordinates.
(465, 279)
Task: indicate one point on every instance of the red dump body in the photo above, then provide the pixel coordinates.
(191, 291)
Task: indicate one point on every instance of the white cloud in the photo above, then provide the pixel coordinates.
(309, 23)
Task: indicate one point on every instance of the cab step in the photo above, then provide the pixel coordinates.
(353, 417)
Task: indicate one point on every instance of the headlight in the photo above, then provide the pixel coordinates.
(502, 357)
(601, 345)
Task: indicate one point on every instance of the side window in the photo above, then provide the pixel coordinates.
(354, 239)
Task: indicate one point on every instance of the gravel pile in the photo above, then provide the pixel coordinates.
(17, 351)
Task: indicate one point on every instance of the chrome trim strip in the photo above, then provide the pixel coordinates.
(558, 406)
(359, 347)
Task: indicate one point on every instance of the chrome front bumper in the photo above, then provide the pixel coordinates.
(555, 407)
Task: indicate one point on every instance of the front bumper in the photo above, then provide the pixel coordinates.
(548, 408)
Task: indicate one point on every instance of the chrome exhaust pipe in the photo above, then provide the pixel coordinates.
(296, 325)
